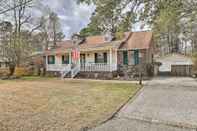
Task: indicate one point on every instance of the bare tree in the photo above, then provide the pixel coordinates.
(5, 7)
(54, 27)
(17, 47)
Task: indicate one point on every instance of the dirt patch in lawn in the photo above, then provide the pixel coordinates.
(55, 105)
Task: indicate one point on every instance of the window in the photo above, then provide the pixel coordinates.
(83, 58)
(51, 59)
(100, 57)
(65, 59)
(125, 57)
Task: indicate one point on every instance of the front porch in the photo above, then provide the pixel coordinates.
(92, 61)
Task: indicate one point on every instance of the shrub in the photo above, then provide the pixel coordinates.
(20, 71)
(195, 62)
(150, 70)
(4, 72)
(119, 35)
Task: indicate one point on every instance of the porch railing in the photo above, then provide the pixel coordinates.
(98, 67)
(88, 67)
(59, 67)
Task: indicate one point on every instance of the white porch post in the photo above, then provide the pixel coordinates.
(46, 62)
(116, 59)
(110, 60)
(70, 58)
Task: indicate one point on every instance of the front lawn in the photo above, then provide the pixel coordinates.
(56, 105)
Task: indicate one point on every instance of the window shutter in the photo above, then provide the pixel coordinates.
(125, 57)
(67, 59)
(105, 57)
(53, 58)
(136, 57)
(63, 60)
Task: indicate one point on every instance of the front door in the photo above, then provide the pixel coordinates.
(83, 59)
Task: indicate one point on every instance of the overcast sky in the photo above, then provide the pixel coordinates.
(73, 16)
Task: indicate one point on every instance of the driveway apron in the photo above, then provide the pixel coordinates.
(164, 104)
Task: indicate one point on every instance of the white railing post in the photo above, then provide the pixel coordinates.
(46, 62)
(110, 59)
(75, 71)
(70, 58)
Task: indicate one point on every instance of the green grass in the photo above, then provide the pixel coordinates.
(34, 78)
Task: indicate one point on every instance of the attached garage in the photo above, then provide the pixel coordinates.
(175, 65)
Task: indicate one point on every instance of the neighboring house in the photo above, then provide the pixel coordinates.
(101, 56)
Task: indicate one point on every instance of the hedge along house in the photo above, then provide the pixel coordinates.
(100, 56)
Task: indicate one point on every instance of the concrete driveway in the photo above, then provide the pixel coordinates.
(164, 104)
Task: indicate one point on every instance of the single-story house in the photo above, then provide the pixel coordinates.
(101, 55)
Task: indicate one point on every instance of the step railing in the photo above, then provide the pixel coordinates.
(75, 71)
(66, 69)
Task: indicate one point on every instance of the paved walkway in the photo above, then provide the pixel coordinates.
(165, 104)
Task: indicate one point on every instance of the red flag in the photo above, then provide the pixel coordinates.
(75, 55)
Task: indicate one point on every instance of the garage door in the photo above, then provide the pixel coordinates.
(181, 70)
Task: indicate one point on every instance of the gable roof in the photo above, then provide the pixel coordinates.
(131, 40)
(138, 40)
(61, 47)
(98, 42)
(95, 40)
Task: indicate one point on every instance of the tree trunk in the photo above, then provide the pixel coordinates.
(12, 68)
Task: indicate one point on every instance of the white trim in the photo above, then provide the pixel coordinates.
(110, 58)
(98, 67)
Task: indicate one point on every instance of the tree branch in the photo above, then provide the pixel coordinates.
(14, 7)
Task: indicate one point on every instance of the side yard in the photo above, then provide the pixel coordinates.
(55, 105)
